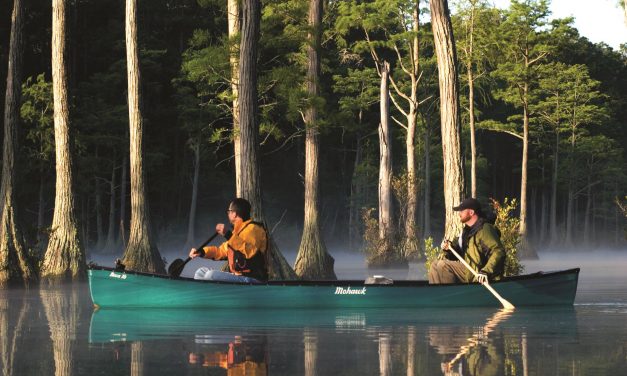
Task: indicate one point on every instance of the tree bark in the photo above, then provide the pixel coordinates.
(65, 255)
(99, 225)
(14, 263)
(122, 239)
(449, 113)
(250, 187)
(110, 243)
(427, 198)
(233, 30)
(471, 107)
(191, 225)
(553, 213)
(385, 160)
(141, 253)
(313, 261)
(385, 254)
(411, 246)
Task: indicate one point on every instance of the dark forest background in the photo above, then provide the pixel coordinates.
(183, 51)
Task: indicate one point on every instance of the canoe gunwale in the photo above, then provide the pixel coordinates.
(396, 283)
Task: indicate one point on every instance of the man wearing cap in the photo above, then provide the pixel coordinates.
(479, 244)
(245, 248)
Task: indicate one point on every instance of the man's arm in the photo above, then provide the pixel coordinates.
(249, 241)
(495, 251)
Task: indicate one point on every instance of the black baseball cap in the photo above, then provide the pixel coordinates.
(469, 203)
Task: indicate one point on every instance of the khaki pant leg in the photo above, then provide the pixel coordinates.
(446, 271)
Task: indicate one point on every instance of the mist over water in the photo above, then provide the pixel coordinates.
(48, 330)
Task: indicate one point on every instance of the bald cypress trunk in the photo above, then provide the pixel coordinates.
(14, 263)
(411, 246)
(449, 113)
(248, 144)
(385, 253)
(65, 255)
(313, 261)
(233, 13)
(141, 253)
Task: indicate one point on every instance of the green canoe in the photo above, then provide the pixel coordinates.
(126, 289)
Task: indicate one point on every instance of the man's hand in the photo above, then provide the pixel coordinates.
(482, 278)
(220, 228)
(193, 253)
(446, 244)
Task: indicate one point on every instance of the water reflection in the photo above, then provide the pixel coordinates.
(62, 310)
(240, 356)
(11, 329)
(55, 328)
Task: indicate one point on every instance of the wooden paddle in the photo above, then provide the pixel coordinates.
(176, 267)
(505, 303)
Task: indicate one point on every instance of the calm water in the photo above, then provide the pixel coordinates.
(54, 330)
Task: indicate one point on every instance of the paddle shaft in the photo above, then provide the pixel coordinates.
(505, 303)
(177, 272)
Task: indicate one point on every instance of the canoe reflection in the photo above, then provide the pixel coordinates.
(384, 342)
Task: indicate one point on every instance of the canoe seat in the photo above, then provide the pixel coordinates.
(378, 280)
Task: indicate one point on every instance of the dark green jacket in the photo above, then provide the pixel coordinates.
(485, 252)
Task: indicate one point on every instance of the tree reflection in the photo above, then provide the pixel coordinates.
(137, 358)
(9, 334)
(61, 304)
(385, 354)
(311, 352)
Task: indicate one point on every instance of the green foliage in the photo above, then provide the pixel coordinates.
(36, 112)
(372, 242)
(508, 225)
(431, 253)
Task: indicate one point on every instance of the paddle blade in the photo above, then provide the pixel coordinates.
(176, 267)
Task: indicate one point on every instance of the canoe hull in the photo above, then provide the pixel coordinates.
(110, 288)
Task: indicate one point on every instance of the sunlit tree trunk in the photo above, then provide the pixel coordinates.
(249, 130)
(313, 261)
(14, 263)
(449, 113)
(65, 254)
(471, 106)
(99, 226)
(411, 246)
(62, 312)
(427, 190)
(233, 30)
(385, 160)
(385, 254)
(192, 210)
(586, 222)
(553, 212)
(525, 247)
(141, 253)
(110, 243)
(122, 239)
